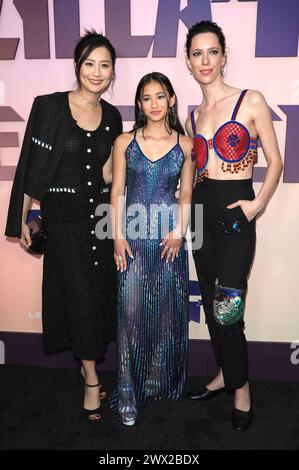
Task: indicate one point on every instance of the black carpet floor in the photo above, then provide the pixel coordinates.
(41, 409)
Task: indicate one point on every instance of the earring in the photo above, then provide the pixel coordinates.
(190, 72)
(171, 110)
(141, 114)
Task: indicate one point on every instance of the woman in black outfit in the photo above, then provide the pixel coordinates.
(65, 163)
(225, 128)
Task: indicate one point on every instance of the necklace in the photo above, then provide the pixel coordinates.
(97, 103)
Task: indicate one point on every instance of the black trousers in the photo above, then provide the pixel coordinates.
(223, 264)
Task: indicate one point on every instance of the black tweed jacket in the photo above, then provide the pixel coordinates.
(48, 129)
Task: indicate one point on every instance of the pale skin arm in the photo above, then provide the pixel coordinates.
(188, 127)
(25, 239)
(262, 120)
(121, 246)
(172, 242)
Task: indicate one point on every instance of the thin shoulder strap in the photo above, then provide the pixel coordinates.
(193, 122)
(238, 104)
(135, 132)
(178, 141)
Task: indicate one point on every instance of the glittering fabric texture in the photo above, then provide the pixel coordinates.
(153, 294)
(229, 304)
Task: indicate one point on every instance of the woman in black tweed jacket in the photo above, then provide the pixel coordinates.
(65, 163)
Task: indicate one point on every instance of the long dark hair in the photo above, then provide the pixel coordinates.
(173, 121)
(90, 41)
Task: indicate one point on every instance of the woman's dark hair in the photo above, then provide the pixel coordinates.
(90, 41)
(173, 121)
(205, 27)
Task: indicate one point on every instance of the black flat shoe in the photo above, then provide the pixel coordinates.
(203, 393)
(93, 416)
(241, 420)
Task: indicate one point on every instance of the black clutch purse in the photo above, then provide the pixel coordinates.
(38, 236)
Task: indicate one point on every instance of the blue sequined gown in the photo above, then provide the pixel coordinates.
(153, 294)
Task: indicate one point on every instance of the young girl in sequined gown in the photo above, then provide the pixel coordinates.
(150, 255)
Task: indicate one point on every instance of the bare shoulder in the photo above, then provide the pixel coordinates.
(124, 139)
(255, 98)
(257, 105)
(186, 141)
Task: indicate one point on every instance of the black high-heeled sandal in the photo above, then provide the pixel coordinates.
(93, 416)
(103, 394)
